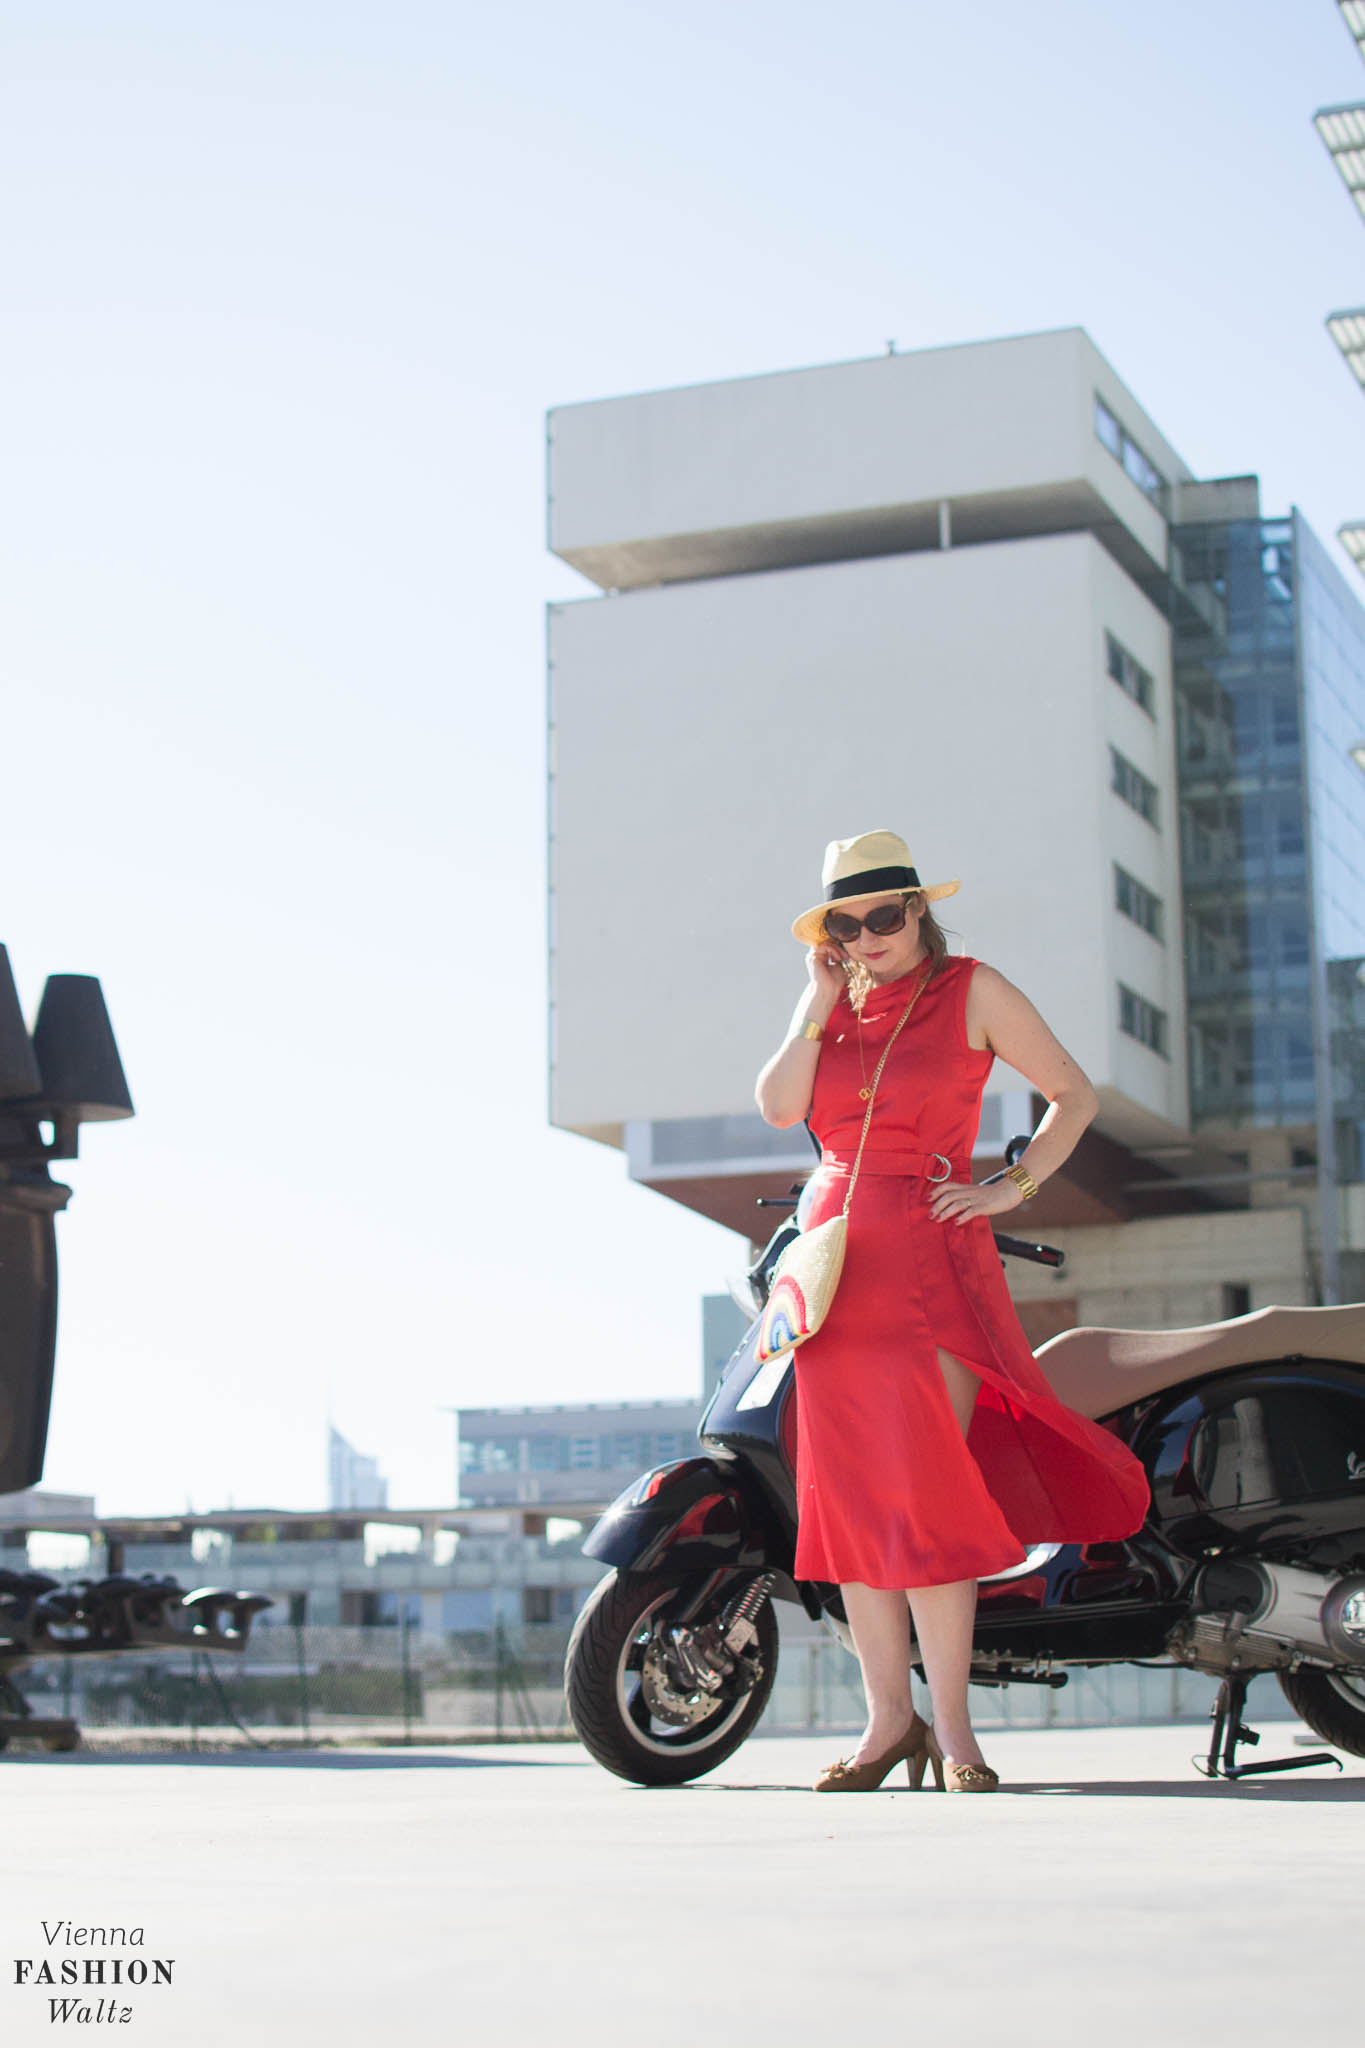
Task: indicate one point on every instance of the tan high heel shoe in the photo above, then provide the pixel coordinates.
(960, 1777)
(930, 1753)
(912, 1750)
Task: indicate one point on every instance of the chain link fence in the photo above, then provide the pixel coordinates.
(302, 1685)
(311, 1685)
(819, 1686)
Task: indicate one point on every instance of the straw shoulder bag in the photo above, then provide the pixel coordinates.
(807, 1274)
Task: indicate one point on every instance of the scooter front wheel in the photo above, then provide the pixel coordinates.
(630, 1683)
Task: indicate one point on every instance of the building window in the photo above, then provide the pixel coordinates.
(1249, 831)
(1124, 449)
(1192, 731)
(1298, 1056)
(1108, 428)
(1289, 828)
(1277, 567)
(1200, 833)
(490, 1454)
(1145, 474)
(583, 1451)
(1246, 723)
(1130, 675)
(1284, 721)
(544, 1453)
(1143, 1021)
(1206, 1057)
(1138, 902)
(368, 1610)
(537, 1603)
(1236, 1298)
(1132, 785)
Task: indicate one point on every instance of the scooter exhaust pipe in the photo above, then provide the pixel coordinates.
(1274, 1612)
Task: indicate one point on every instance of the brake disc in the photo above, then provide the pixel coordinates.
(686, 1673)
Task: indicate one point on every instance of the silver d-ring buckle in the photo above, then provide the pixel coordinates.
(947, 1172)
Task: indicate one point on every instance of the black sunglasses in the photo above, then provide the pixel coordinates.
(879, 923)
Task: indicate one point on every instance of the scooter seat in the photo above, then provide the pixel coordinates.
(1096, 1371)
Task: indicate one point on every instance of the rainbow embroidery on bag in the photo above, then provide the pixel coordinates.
(784, 1318)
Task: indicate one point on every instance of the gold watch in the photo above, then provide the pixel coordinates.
(1023, 1180)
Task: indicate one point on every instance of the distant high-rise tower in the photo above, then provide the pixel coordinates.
(352, 1481)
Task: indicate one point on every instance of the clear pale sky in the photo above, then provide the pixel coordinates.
(287, 290)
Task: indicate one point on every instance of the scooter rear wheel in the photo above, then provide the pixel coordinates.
(1331, 1702)
(607, 1684)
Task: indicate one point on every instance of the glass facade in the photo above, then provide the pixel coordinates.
(1332, 657)
(1268, 646)
(1243, 824)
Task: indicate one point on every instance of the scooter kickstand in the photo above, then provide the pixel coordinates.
(1229, 1730)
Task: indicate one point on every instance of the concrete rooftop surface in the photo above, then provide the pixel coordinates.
(518, 1894)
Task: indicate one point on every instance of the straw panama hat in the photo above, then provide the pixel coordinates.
(870, 864)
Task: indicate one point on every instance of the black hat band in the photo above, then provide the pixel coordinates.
(871, 881)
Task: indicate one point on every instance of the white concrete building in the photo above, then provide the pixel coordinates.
(927, 592)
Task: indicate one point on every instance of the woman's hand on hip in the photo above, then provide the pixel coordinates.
(959, 1201)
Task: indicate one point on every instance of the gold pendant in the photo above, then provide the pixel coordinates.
(864, 1095)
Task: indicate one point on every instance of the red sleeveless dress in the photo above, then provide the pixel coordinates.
(888, 1492)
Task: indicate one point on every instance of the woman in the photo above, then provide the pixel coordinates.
(930, 1449)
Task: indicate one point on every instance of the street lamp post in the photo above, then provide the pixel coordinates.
(66, 1073)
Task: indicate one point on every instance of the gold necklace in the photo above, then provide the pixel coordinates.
(865, 1093)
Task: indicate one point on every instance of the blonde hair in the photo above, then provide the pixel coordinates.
(858, 975)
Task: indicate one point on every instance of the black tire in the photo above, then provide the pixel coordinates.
(1331, 1702)
(603, 1690)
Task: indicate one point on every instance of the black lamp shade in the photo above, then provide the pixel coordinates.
(81, 1072)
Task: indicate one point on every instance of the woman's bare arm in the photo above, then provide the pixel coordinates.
(1001, 1019)
(1016, 1034)
(783, 1089)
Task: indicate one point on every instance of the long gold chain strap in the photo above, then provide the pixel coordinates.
(872, 1094)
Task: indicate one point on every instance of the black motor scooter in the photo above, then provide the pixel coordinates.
(1252, 1556)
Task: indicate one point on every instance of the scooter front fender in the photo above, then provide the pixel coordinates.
(693, 1514)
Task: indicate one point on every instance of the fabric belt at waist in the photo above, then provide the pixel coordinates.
(931, 1165)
